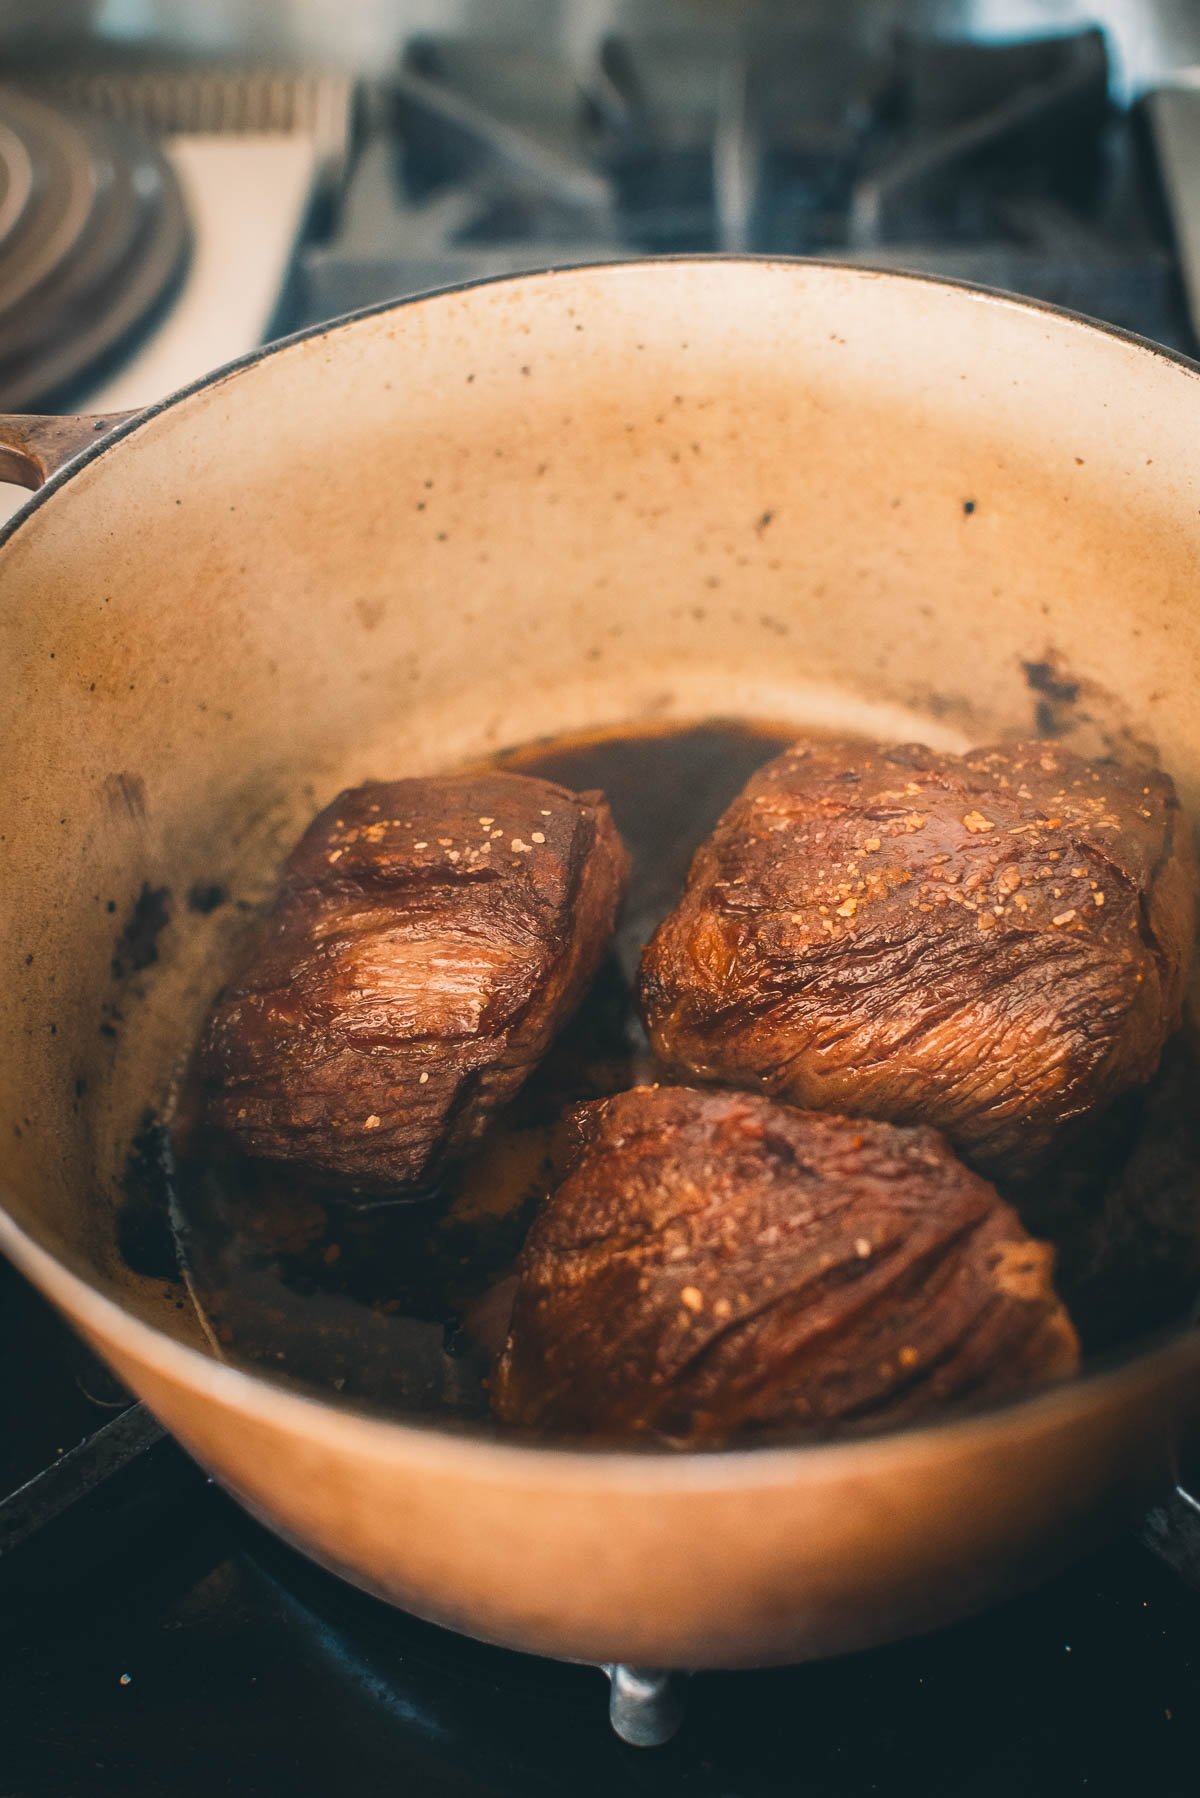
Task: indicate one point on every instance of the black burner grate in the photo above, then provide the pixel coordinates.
(1000, 163)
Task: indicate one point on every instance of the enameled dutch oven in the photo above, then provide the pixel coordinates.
(593, 497)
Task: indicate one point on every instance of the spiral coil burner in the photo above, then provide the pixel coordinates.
(93, 240)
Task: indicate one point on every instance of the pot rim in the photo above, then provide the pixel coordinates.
(215, 377)
(341, 1422)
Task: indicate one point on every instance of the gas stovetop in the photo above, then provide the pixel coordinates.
(1003, 163)
(157, 1642)
(152, 1639)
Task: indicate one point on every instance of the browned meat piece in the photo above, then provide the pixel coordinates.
(714, 1262)
(429, 939)
(993, 943)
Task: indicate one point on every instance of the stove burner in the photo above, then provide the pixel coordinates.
(93, 238)
(986, 139)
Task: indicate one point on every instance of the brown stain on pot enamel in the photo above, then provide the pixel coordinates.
(1084, 713)
(125, 795)
(371, 612)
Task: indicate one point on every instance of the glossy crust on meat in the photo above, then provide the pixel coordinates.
(993, 943)
(714, 1262)
(429, 939)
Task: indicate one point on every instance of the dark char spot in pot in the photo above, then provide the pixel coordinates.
(143, 1222)
(137, 945)
(206, 896)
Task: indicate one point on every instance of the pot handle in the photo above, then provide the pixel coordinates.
(34, 446)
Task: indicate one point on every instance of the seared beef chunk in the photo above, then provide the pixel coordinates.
(429, 939)
(994, 943)
(714, 1262)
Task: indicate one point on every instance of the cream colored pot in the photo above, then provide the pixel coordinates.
(594, 497)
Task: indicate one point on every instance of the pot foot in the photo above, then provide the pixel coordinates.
(645, 1706)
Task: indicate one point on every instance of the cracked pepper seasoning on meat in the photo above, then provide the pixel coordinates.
(429, 938)
(996, 943)
(713, 1262)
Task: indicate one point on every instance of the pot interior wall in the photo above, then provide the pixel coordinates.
(574, 500)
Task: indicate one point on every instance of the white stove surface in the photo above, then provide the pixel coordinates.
(247, 196)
